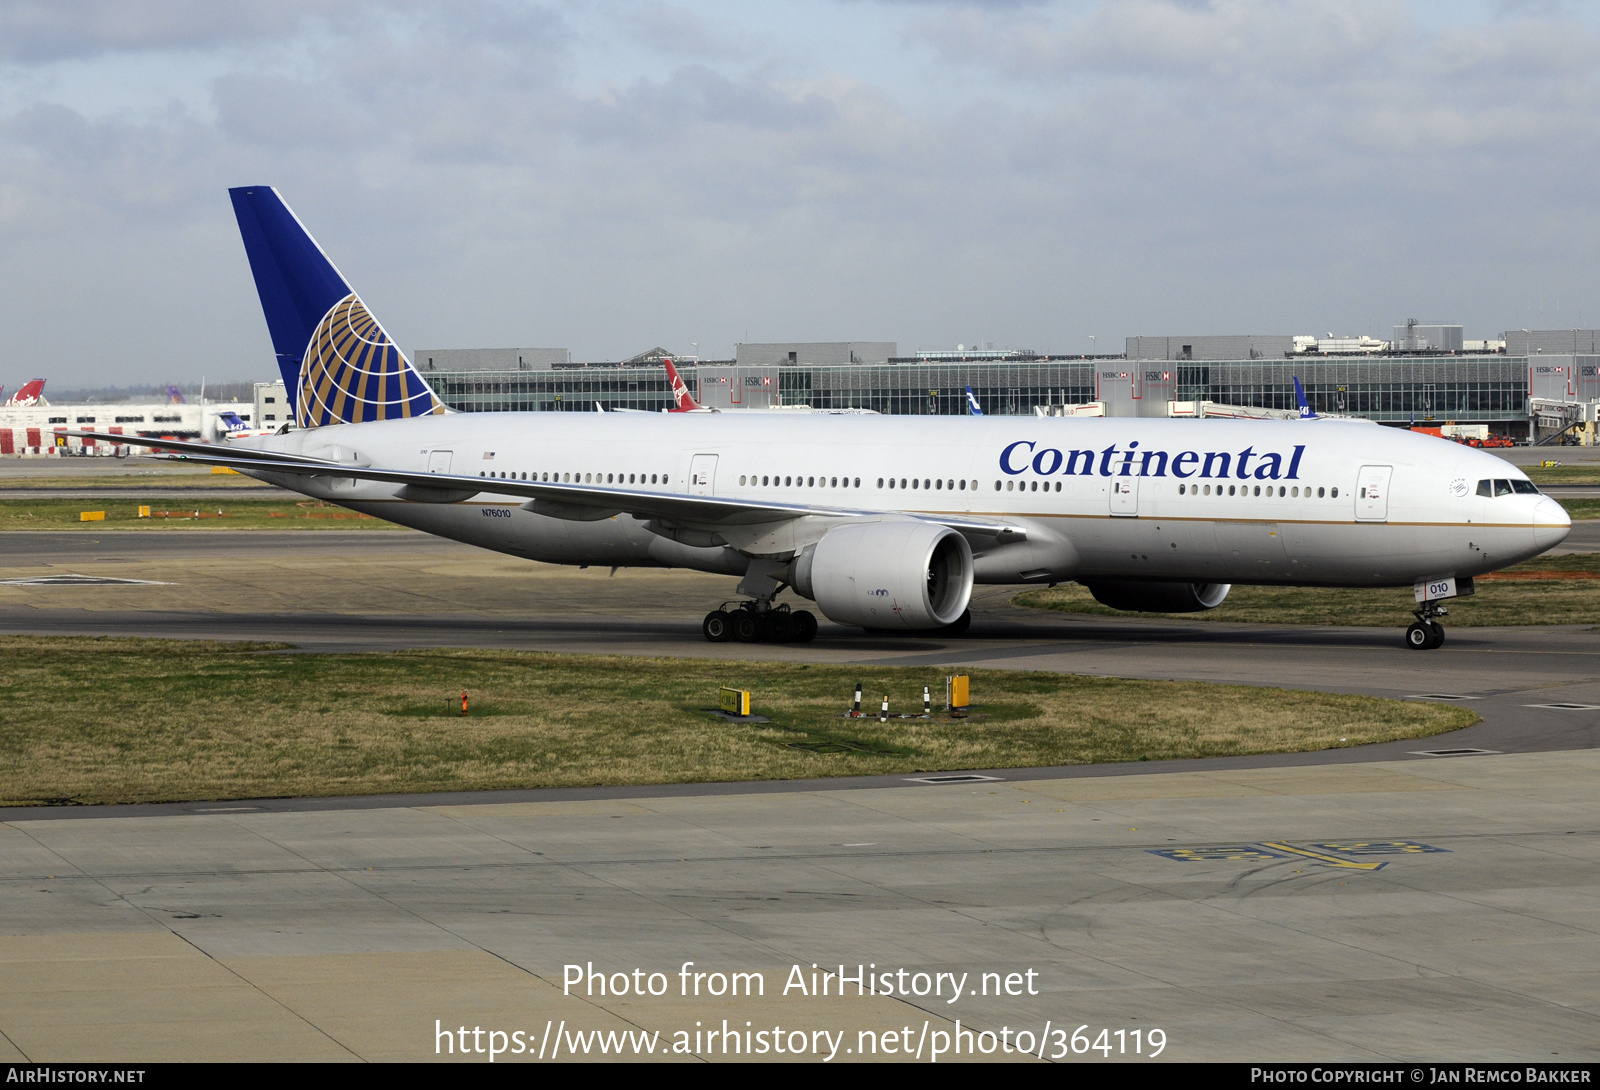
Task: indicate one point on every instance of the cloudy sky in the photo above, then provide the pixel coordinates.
(608, 175)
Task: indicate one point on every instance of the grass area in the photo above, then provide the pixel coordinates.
(1544, 590)
(114, 720)
(169, 514)
(1578, 474)
(165, 481)
(1579, 508)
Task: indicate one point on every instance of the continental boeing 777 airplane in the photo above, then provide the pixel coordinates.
(884, 522)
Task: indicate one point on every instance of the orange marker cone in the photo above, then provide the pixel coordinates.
(463, 702)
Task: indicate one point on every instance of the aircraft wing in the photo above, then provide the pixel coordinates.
(580, 502)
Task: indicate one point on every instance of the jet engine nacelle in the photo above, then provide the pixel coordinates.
(1160, 597)
(896, 575)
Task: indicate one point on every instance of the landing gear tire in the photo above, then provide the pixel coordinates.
(780, 627)
(717, 627)
(1427, 633)
(805, 626)
(1425, 636)
(746, 626)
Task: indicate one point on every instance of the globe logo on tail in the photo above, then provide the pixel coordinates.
(352, 372)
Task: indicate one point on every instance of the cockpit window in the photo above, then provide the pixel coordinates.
(1524, 488)
(1486, 488)
(1502, 487)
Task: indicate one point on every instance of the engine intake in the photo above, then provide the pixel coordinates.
(898, 575)
(1160, 597)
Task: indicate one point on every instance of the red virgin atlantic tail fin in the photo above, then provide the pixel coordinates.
(32, 393)
(680, 392)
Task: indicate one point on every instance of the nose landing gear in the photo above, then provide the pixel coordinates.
(1427, 633)
(759, 622)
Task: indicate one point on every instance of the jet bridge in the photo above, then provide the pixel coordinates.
(1564, 398)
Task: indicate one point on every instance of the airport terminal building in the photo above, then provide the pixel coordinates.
(1535, 385)
(1156, 377)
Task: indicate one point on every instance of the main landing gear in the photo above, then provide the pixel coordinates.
(1427, 633)
(759, 622)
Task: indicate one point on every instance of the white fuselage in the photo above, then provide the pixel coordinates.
(1318, 502)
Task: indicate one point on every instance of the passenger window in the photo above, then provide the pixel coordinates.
(1319, 493)
(1524, 488)
(902, 482)
(741, 478)
(938, 484)
(1334, 493)
(997, 486)
(835, 483)
(1502, 487)
(891, 482)
(880, 482)
(1258, 490)
(1058, 486)
(963, 486)
(1230, 490)
(1035, 487)
(1009, 485)
(927, 484)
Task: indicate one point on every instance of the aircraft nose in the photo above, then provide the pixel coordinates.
(1551, 524)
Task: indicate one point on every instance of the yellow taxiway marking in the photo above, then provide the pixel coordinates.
(1322, 857)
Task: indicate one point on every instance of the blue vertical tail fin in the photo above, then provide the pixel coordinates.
(339, 365)
(972, 403)
(1300, 398)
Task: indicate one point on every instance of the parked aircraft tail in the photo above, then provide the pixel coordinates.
(972, 403)
(339, 365)
(1306, 412)
(32, 393)
(680, 392)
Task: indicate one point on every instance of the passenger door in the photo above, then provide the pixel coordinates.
(1125, 496)
(1372, 493)
(703, 475)
(439, 461)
